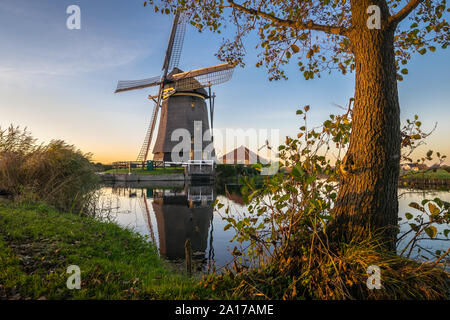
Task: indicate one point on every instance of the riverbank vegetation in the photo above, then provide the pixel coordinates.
(288, 247)
(38, 244)
(49, 221)
(427, 174)
(225, 171)
(56, 173)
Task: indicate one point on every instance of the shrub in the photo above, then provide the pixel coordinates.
(234, 170)
(56, 173)
(284, 250)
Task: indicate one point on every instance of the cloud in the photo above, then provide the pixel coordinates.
(70, 59)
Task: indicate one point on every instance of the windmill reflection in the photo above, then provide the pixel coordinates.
(181, 215)
(180, 212)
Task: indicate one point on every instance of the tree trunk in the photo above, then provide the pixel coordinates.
(367, 199)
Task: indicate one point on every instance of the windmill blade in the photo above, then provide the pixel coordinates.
(178, 41)
(175, 44)
(172, 57)
(137, 84)
(143, 154)
(205, 77)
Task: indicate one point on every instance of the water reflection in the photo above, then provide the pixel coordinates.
(169, 213)
(182, 215)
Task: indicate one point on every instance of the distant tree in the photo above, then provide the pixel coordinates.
(364, 36)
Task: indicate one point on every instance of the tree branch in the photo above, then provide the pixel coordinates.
(403, 13)
(310, 25)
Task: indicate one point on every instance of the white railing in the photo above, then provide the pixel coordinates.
(199, 197)
(209, 163)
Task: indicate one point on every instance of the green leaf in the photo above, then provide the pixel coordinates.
(408, 216)
(297, 171)
(431, 231)
(433, 209)
(416, 206)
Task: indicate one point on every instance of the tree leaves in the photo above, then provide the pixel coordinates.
(431, 231)
(295, 48)
(433, 209)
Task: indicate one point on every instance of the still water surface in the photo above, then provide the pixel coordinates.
(171, 213)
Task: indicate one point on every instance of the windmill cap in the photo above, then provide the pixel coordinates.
(178, 70)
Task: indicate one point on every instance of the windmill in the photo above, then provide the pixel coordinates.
(181, 96)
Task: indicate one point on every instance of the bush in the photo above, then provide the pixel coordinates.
(283, 246)
(56, 173)
(233, 170)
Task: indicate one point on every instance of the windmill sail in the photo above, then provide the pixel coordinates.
(137, 84)
(182, 81)
(178, 42)
(173, 52)
(205, 77)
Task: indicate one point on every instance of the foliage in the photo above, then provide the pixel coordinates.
(342, 274)
(100, 167)
(427, 174)
(57, 173)
(431, 223)
(37, 244)
(413, 137)
(284, 249)
(318, 33)
(234, 170)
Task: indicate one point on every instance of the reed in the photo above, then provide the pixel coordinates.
(56, 173)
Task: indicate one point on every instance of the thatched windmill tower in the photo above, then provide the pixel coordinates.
(181, 97)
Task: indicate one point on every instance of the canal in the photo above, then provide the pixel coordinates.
(169, 213)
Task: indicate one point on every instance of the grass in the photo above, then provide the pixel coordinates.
(156, 171)
(438, 174)
(338, 276)
(37, 244)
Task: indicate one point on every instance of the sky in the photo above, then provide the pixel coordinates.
(59, 83)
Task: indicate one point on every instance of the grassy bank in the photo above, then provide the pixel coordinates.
(37, 244)
(438, 174)
(148, 172)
